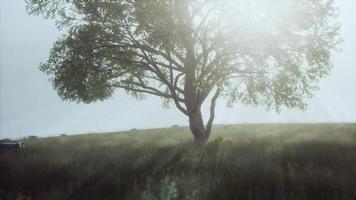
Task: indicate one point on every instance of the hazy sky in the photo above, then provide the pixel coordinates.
(29, 105)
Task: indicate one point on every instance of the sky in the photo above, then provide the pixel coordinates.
(30, 106)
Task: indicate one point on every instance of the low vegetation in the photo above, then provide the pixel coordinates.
(256, 161)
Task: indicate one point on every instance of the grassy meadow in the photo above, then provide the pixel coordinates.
(246, 162)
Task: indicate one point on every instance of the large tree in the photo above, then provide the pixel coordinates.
(191, 51)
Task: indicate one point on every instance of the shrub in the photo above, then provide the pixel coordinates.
(32, 137)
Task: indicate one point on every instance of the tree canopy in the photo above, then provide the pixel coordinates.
(257, 52)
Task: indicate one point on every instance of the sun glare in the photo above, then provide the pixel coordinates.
(260, 15)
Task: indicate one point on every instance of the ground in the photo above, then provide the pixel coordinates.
(248, 161)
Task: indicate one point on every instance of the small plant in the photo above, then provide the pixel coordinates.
(193, 196)
(168, 191)
(147, 194)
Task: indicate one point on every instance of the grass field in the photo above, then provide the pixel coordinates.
(252, 161)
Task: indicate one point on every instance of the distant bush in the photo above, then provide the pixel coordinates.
(32, 137)
(226, 126)
(175, 126)
(63, 135)
(133, 129)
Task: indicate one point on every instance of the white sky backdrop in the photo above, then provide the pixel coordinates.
(29, 105)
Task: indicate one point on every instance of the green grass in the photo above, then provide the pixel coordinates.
(252, 161)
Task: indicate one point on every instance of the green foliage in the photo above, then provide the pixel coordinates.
(185, 49)
(80, 76)
(261, 161)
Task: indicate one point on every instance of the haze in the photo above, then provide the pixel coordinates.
(30, 106)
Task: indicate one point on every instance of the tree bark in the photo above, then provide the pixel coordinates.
(197, 128)
(209, 125)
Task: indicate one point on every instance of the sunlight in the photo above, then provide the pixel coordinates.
(259, 15)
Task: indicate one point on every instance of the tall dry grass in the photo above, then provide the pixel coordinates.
(256, 161)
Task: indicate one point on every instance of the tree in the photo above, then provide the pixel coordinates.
(271, 53)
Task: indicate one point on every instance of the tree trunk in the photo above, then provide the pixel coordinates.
(191, 90)
(196, 126)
